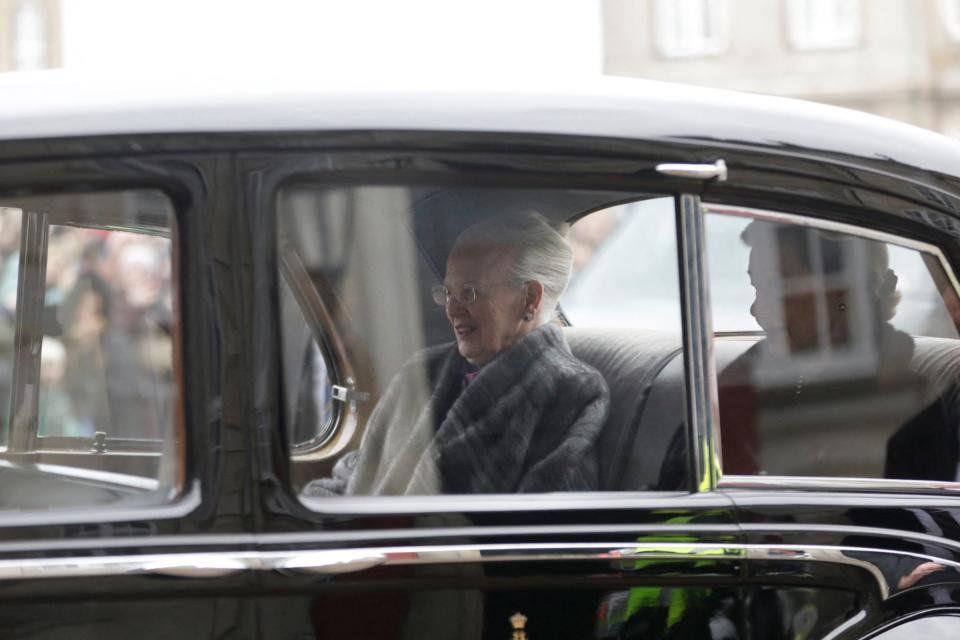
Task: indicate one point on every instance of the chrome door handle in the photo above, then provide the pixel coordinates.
(717, 170)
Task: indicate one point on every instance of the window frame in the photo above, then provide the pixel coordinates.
(26, 449)
(830, 483)
(951, 18)
(804, 23)
(421, 166)
(335, 436)
(31, 299)
(674, 32)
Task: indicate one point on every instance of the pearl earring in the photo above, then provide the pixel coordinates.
(528, 316)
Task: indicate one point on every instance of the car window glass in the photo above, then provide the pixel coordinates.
(626, 275)
(922, 310)
(9, 251)
(848, 364)
(88, 330)
(431, 333)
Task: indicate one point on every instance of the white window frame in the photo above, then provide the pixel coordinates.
(31, 36)
(692, 28)
(951, 17)
(823, 24)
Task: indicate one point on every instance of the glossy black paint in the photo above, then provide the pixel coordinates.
(239, 499)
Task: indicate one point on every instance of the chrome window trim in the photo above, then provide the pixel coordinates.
(699, 361)
(834, 483)
(506, 502)
(913, 537)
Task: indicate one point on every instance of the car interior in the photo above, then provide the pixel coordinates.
(643, 367)
(88, 391)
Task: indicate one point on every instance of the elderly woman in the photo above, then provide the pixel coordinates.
(510, 409)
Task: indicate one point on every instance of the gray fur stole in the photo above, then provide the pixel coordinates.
(527, 423)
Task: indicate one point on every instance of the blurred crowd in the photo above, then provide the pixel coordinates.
(106, 355)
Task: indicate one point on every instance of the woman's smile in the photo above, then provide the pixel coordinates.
(494, 320)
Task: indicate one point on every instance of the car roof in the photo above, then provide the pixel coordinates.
(58, 104)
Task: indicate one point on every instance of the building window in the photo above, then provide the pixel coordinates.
(30, 37)
(951, 15)
(823, 24)
(690, 28)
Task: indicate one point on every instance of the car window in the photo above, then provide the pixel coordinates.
(87, 331)
(626, 276)
(435, 333)
(837, 349)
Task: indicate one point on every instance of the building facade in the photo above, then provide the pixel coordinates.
(30, 35)
(895, 58)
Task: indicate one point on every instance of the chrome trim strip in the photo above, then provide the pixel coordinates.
(337, 561)
(207, 565)
(897, 534)
(817, 223)
(841, 555)
(334, 561)
(699, 361)
(328, 561)
(826, 554)
(459, 504)
(834, 484)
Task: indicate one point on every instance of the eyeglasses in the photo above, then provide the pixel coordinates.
(468, 293)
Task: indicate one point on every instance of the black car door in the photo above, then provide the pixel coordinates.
(125, 483)
(348, 238)
(836, 347)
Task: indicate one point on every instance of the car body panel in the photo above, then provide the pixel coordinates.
(240, 554)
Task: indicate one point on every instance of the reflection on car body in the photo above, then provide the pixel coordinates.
(212, 306)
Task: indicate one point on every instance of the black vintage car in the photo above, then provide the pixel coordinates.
(206, 299)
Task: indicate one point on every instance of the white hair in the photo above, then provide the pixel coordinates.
(542, 254)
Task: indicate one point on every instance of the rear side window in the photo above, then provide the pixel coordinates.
(453, 340)
(837, 350)
(88, 332)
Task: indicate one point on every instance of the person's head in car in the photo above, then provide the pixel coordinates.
(817, 289)
(510, 408)
(503, 280)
